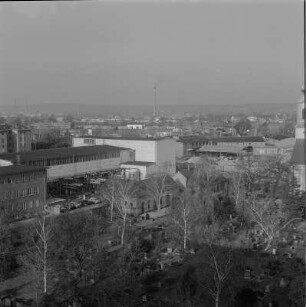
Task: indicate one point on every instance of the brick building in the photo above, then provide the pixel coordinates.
(22, 190)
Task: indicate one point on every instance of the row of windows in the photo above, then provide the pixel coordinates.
(20, 193)
(90, 141)
(26, 205)
(20, 178)
(72, 159)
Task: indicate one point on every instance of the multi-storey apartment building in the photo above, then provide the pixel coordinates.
(22, 190)
(6, 139)
(22, 139)
(15, 140)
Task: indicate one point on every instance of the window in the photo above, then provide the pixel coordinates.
(24, 206)
(30, 204)
(37, 203)
(89, 141)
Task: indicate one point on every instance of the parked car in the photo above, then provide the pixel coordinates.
(73, 205)
(94, 200)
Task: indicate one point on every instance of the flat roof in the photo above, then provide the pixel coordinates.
(141, 163)
(18, 169)
(65, 152)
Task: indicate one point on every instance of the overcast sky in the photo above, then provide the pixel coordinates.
(198, 52)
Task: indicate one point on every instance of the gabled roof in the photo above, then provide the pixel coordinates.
(299, 153)
(186, 173)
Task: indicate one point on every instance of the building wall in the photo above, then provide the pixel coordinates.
(20, 196)
(141, 171)
(179, 149)
(3, 141)
(267, 151)
(22, 140)
(78, 168)
(161, 152)
(165, 155)
(137, 206)
(144, 149)
(135, 126)
(300, 125)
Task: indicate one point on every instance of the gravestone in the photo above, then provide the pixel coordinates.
(282, 283)
(247, 274)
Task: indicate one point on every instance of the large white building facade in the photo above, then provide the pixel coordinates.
(160, 151)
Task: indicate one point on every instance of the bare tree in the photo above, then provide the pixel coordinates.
(203, 186)
(237, 191)
(37, 259)
(270, 216)
(108, 193)
(125, 189)
(215, 273)
(182, 215)
(157, 185)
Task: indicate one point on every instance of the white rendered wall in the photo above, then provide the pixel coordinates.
(165, 155)
(132, 168)
(161, 152)
(179, 149)
(144, 149)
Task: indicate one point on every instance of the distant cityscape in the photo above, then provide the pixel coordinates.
(152, 155)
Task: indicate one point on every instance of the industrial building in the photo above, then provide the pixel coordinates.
(22, 190)
(186, 146)
(160, 151)
(70, 162)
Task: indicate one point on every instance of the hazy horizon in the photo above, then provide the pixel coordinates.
(101, 53)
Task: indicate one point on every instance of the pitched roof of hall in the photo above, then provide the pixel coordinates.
(54, 153)
(299, 153)
(234, 139)
(18, 169)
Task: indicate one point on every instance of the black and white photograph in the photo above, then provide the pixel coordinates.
(152, 153)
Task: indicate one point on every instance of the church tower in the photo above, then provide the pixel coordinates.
(298, 158)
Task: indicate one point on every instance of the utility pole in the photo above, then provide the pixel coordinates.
(155, 103)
